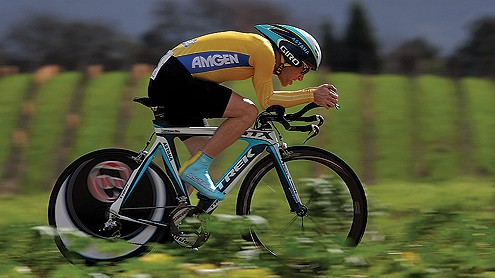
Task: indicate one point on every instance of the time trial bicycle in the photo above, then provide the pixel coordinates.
(118, 195)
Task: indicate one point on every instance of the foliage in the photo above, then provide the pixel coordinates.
(43, 39)
(357, 50)
(332, 48)
(477, 56)
(414, 56)
(360, 53)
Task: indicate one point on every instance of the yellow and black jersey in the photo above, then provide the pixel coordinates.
(229, 56)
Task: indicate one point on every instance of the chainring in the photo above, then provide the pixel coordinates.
(187, 228)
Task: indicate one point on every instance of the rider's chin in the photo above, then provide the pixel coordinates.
(284, 82)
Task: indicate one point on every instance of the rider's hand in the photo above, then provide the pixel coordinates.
(326, 96)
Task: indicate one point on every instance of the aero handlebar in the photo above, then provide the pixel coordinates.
(276, 113)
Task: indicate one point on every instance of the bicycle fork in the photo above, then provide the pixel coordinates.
(287, 182)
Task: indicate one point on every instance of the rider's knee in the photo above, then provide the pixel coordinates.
(250, 110)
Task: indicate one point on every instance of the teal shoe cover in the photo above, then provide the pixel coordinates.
(195, 173)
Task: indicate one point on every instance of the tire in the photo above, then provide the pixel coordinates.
(83, 194)
(331, 191)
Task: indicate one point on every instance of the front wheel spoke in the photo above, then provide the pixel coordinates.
(319, 228)
(311, 198)
(290, 224)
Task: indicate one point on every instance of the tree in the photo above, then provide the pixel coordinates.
(477, 56)
(360, 48)
(43, 39)
(3, 55)
(413, 56)
(331, 48)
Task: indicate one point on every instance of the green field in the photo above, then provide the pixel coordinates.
(424, 148)
(100, 110)
(389, 127)
(47, 131)
(13, 89)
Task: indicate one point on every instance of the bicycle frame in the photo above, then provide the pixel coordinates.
(259, 141)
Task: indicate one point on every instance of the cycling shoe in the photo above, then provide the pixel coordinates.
(195, 172)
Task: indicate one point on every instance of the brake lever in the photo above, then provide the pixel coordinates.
(313, 133)
(320, 119)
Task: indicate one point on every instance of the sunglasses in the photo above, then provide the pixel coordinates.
(305, 69)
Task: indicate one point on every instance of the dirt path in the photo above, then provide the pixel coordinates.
(13, 170)
(465, 132)
(72, 122)
(125, 111)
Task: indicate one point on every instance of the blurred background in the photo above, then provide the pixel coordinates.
(394, 36)
(417, 91)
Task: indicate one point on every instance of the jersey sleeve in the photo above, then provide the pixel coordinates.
(263, 63)
(291, 98)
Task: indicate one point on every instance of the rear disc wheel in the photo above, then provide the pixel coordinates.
(82, 195)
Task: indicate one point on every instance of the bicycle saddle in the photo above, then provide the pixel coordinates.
(146, 101)
(158, 111)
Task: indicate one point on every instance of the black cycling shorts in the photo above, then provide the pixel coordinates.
(187, 100)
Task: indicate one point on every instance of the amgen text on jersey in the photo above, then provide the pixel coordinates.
(216, 60)
(207, 61)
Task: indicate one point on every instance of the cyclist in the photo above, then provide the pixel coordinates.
(186, 82)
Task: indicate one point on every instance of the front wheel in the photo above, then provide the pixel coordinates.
(331, 193)
(81, 198)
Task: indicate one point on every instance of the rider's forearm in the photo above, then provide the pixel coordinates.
(291, 98)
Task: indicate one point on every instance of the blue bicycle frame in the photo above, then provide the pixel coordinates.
(258, 141)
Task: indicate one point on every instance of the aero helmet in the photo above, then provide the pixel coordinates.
(296, 45)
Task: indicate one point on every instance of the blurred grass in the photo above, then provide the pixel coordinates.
(345, 125)
(27, 209)
(52, 105)
(421, 228)
(392, 204)
(439, 130)
(481, 100)
(394, 153)
(13, 89)
(100, 112)
(401, 202)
